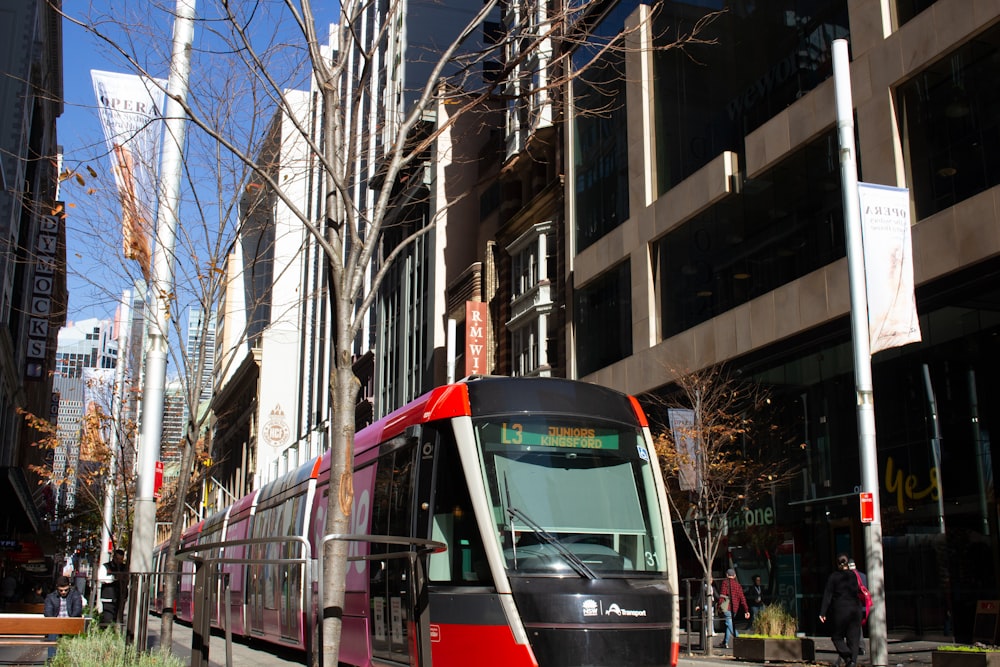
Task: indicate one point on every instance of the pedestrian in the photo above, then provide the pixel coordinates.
(114, 587)
(35, 595)
(64, 601)
(731, 602)
(8, 588)
(755, 598)
(841, 611)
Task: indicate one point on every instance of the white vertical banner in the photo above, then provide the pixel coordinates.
(130, 111)
(686, 442)
(888, 249)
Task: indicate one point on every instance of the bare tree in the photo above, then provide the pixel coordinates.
(212, 194)
(365, 139)
(721, 453)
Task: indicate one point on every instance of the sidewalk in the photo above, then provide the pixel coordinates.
(903, 652)
(245, 654)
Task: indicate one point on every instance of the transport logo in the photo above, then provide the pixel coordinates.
(592, 608)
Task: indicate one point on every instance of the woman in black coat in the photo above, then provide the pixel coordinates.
(840, 602)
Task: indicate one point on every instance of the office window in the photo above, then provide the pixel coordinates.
(950, 126)
(710, 96)
(524, 348)
(600, 147)
(603, 320)
(908, 9)
(787, 222)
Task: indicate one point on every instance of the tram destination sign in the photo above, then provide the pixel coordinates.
(520, 434)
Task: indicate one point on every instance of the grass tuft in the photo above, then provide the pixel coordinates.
(101, 647)
(775, 621)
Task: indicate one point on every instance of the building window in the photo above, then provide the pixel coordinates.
(710, 96)
(908, 9)
(950, 127)
(600, 146)
(787, 222)
(524, 349)
(531, 300)
(524, 270)
(603, 320)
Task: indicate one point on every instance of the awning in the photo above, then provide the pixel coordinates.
(16, 497)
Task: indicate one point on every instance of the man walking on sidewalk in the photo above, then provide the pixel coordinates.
(731, 601)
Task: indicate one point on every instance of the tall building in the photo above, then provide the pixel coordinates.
(281, 363)
(174, 425)
(200, 350)
(33, 254)
(705, 225)
(84, 346)
(406, 331)
(90, 343)
(66, 456)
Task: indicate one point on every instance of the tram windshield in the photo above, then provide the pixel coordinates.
(571, 495)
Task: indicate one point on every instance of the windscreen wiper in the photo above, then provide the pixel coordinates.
(581, 568)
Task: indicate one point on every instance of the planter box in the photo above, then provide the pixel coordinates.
(965, 658)
(766, 649)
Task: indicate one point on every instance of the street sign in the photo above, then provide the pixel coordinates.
(867, 508)
(157, 479)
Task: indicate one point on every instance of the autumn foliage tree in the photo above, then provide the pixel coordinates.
(86, 468)
(721, 453)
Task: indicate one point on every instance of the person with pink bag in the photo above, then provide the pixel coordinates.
(840, 607)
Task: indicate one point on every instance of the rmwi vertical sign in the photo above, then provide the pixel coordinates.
(475, 338)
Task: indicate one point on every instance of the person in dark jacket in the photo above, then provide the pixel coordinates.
(841, 613)
(64, 600)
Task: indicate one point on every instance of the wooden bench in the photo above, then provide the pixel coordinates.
(32, 629)
(24, 608)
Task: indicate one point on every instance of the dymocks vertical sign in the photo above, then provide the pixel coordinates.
(475, 338)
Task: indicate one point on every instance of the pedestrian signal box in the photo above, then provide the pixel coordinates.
(867, 508)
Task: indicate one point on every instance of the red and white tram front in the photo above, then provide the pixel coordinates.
(572, 538)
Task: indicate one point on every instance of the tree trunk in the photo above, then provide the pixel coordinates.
(341, 498)
(170, 563)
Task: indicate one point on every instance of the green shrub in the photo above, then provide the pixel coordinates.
(105, 647)
(774, 621)
(967, 648)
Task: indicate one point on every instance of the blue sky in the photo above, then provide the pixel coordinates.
(95, 276)
(79, 132)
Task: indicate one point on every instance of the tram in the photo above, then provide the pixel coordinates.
(549, 498)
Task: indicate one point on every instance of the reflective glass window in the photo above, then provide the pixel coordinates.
(787, 222)
(765, 56)
(600, 147)
(604, 320)
(949, 118)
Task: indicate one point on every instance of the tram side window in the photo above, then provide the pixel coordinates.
(454, 522)
(391, 505)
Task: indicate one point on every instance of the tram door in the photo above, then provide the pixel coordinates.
(391, 606)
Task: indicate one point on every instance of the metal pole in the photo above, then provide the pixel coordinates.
(116, 423)
(935, 443)
(144, 519)
(451, 351)
(862, 349)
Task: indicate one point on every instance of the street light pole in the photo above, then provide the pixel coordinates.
(144, 519)
(862, 349)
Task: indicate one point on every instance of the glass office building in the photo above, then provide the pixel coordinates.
(706, 227)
